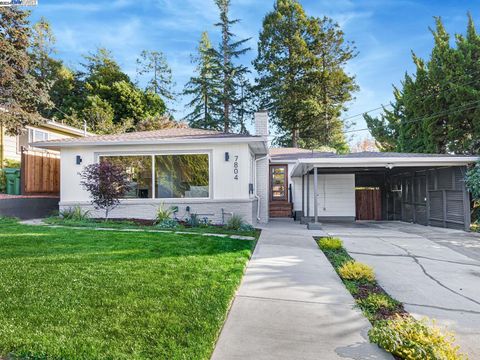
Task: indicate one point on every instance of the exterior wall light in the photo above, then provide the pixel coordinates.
(227, 156)
(79, 160)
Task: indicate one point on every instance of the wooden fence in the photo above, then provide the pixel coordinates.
(40, 173)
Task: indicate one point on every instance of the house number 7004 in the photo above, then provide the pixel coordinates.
(235, 168)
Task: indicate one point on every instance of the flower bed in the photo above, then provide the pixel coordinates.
(394, 329)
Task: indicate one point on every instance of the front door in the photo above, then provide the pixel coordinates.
(278, 183)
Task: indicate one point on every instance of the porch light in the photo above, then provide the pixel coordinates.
(79, 160)
(389, 166)
(227, 156)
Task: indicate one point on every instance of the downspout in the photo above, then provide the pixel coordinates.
(255, 192)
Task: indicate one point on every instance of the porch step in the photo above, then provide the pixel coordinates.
(280, 209)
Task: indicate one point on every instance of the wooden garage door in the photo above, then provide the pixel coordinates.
(368, 203)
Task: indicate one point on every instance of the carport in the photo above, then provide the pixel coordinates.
(416, 188)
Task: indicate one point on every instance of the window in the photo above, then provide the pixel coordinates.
(175, 176)
(139, 171)
(182, 176)
(35, 135)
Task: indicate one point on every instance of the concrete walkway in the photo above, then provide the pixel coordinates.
(292, 305)
(435, 272)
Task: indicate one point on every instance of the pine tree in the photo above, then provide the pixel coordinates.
(302, 80)
(154, 64)
(204, 88)
(47, 70)
(21, 94)
(230, 73)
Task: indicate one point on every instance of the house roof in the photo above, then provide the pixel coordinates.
(166, 136)
(304, 162)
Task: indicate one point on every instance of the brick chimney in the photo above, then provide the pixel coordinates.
(261, 123)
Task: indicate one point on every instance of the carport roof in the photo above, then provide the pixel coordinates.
(305, 162)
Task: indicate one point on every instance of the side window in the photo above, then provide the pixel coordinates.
(35, 135)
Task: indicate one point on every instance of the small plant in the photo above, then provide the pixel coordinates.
(246, 228)
(329, 243)
(377, 302)
(168, 224)
(354, 270)
(205, 222)
(193, 220)
(76, 213)
(235, 222)
(163, 213)
(410, 339)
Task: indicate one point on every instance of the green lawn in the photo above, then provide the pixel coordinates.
(85, 294)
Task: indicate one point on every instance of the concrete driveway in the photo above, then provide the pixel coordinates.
(434, 272)
(292, 305)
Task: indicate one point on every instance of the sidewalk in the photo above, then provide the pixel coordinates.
(292, 305)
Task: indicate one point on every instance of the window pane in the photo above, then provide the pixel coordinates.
(139, 171)
(181, 176)
(39, 135)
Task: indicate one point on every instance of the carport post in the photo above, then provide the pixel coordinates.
(315, 194)
(303, 195)
(308, 194)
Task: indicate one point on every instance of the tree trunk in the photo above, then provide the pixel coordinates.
(295, 136)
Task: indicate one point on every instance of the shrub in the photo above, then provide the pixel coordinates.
(375, 302)
(354, 270)
(330, 243)
(410, 339)
(235, 222)
(76, 213)
(246, 227)
(163, 213)
(167, 224)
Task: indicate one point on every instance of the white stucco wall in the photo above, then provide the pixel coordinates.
(336, 195)
(223, 184)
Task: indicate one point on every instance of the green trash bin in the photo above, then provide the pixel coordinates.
(13, 181)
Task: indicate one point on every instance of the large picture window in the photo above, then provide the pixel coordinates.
(165, 176)
(181, 176)
(139, 171)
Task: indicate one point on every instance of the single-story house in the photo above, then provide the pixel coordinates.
(11, 146)
(215, 175)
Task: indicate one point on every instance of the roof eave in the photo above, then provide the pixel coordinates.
(304, 165)
(76, 144)
(65, 128)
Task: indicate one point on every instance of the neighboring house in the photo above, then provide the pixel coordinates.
(11, 146)
(215, 175)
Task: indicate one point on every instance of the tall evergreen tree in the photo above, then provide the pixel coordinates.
(229, 50)
(47, 70)
(436, 110)
(301, 76)
(21, 94)
(154, 65)
(204, 88)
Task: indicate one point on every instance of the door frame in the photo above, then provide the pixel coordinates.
(270, 182)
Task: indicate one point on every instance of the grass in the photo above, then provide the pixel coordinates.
(80, 294)
(125, 224)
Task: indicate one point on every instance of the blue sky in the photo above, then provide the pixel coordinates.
(384, 32)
